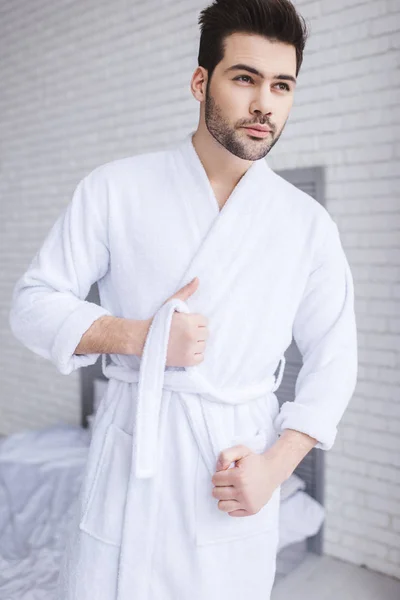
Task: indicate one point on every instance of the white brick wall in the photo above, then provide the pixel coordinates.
(346, 117)
(86, 82)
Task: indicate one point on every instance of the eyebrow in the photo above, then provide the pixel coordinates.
(241, 67)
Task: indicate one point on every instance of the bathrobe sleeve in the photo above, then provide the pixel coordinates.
(49, 313)
(325, 332)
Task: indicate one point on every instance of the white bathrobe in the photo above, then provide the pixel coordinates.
(270, 265)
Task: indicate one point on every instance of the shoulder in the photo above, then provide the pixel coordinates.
(116, 186)
(305, 219)
(303, 209)
(120, 170)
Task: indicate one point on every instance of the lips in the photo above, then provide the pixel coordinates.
(258, 128)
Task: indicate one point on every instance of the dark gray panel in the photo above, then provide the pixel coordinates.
(90, 373)
(311, 468)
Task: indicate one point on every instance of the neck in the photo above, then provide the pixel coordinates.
(223, 169)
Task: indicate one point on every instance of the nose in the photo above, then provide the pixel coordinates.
(263, 103)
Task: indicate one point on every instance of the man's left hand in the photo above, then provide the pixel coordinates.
(246, 487)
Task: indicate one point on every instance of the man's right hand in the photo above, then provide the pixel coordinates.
(188, 334)
(118, 335)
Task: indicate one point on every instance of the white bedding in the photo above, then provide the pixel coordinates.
(40, 476)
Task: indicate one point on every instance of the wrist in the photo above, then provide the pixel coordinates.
(288, 451)
(276, 471)
(138, 330)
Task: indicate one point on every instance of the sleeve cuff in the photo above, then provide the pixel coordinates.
(70, 334)
(294, 415)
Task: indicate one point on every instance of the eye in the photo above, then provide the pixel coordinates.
(285, 86)
(241, 77)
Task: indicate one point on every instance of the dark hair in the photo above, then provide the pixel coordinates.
(277, 20)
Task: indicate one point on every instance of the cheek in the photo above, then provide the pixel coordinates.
(233, 96)
(231, 103)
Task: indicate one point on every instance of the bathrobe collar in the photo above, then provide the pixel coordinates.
(258, 171)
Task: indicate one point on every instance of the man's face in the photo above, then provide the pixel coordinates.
(236, 98)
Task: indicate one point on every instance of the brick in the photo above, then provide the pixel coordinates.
(379, 503)
(384, 472)
(345, 495)
(372, 454)
(366, 422)
(371, 533)
(333, 16)
(369, 516)
(385, 24)
(378, 357)
(358, 544)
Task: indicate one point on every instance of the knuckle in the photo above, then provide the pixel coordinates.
(238, 478)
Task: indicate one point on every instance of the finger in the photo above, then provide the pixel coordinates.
(203, 333)
(224, 492)
(198, 357)
(202, 320)
(224, 478)
(239, 513)
(228, 505)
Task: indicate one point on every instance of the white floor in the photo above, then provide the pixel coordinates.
(326, 578)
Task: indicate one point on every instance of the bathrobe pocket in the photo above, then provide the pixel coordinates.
(103, 513)
(214, 525)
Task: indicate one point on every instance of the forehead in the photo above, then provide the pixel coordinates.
(259, 52)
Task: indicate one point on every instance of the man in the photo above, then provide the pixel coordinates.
(207, 263)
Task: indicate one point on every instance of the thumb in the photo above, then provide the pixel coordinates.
(230, 455)
(187, 290)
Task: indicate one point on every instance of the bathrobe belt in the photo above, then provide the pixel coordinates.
(153, 379)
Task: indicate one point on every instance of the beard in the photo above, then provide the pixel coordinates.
(230, 139)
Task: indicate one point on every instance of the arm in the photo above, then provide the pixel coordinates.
(114, 335)
(325, 333)
(49, 313)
